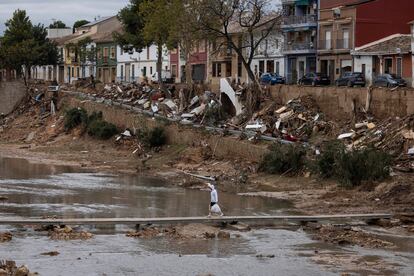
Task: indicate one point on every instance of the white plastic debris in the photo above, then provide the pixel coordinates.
(411, 151)
(154, 108)
(126, 133)
(257, 127)
(346, 135)
(170, 103)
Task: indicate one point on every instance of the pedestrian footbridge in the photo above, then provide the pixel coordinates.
(186, 220)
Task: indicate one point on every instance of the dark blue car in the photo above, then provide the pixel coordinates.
(272, 79)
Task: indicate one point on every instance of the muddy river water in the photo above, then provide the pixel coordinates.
(35, 190)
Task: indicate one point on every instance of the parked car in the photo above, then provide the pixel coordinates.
(351, 79)
(272, 79)
(389, 80)
(314, 79)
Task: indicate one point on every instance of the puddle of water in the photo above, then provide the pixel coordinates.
(38, 190)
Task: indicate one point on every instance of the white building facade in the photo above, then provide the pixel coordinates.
(135, 66)
(269, 57)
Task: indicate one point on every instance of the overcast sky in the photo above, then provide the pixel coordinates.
(69, 11)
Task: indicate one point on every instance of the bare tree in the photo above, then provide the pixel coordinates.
(241, 24)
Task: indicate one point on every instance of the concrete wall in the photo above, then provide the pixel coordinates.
(11, 93)
(337, 103)
(176, 134)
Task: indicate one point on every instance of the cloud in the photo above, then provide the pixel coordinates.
(69, 11)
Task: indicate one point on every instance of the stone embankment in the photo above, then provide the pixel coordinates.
(11, 94)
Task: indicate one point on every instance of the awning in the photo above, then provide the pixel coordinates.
(302, 2)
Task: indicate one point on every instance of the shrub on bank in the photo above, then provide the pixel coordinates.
(99, 128)
(102, 129)
(283, 159)
(153, 138)
(75, 117)
(351, 168)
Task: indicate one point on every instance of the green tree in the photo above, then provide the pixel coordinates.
(80, 23)
(133, 23)
(157, 27)
(24, 45)
(57, 25)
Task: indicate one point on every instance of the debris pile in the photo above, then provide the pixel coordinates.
(9, 268)
(393, 135)
(5, 237)
(298, 120)
(350, 236)
(191, 231)
(67, 233)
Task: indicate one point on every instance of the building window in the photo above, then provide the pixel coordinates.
(239, 70)
(216, 69)
(121, 51)
(77, 72)
(113, 53)
(99, 53)
(174, 70)
(122, 72)
(133, 71)
(363, 69)
(345, 37)
(328, 38)
(270, 66)
(144, 71)
(106, 52)
(261, 67)
(151, 70)
(277, 67)
(202, 47)
(73, 71)
(388, 66)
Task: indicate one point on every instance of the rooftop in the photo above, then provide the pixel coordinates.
(393, 44)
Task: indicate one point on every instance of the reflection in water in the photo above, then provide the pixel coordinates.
(22, 169)
(39, 190)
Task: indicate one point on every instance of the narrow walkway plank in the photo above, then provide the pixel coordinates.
(186, 220)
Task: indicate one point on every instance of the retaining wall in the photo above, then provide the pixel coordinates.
(11, 93)
(223, 147)
(337, 102)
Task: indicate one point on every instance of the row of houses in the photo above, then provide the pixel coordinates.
(328, 36)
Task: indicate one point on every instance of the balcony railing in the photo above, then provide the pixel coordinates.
(294, 46)
(342, 44)
(325, 44)
(297, 20)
